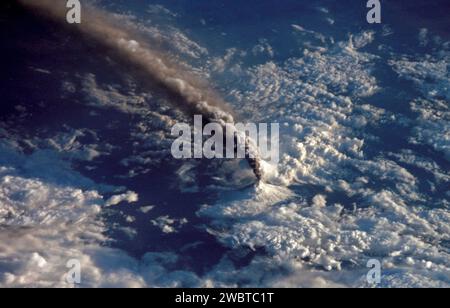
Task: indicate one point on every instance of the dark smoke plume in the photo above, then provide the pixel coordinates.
(189, 94)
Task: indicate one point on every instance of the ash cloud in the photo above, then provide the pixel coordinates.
(150, 66)
(124, 46)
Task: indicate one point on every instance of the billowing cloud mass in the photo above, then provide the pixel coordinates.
(364, 170)
(318, 97)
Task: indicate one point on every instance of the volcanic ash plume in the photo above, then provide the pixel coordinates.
(147, 64)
